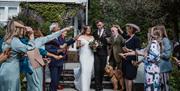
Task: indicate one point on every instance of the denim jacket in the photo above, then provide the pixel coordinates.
(165, 63)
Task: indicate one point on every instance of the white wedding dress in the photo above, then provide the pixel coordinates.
(84, 73)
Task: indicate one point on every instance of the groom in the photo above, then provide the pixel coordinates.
(101, 54)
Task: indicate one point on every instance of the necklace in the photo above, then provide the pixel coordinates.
(129, 38)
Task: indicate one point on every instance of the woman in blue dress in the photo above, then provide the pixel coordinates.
(9, 71)
(35, 80)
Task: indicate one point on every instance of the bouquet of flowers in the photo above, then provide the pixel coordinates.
(93, 45)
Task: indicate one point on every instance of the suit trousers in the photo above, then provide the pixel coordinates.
(99, 65)
(55, 73)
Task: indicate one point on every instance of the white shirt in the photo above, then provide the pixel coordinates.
(100, 32)
(115, 36)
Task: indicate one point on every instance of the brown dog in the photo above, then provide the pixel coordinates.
(116, 76)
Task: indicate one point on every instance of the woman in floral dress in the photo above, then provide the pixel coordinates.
(151, 61)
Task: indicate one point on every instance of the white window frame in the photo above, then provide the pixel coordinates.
(6, 6)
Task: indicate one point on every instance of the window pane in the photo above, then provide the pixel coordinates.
(2, 13)
(12, 11)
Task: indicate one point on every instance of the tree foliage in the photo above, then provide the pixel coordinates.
(175, 79)
(95, 12)
(40, 15)
(2, 31)
(144, 13)
(171, 9)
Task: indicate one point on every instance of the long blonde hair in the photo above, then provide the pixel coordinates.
(163, 30)
(11, 31)
(157, 35)
(154, 33)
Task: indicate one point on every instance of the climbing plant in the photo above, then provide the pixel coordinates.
(2, 32)
(45, 13)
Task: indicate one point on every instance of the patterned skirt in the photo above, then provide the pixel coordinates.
(152, 77)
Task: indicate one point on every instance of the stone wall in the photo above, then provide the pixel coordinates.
(72, 56)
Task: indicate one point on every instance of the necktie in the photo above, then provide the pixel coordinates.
(99, 33)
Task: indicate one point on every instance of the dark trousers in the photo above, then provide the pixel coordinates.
(55, 73)
(99, 65)
(115, 63)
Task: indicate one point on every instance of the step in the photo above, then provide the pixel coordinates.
(70, 77)
(71, 65)
(69, 89)
(70, 84)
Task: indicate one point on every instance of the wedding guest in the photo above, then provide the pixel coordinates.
(14, 32)
(86, 57)
(35, 79)
(165, 63)
(132, 43)
(117, 42)
(56, 47)
(151, 61)
(9, 70)
(100, 35)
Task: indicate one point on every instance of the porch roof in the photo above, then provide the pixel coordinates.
(55, 1)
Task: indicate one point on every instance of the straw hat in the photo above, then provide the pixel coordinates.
(134, 26)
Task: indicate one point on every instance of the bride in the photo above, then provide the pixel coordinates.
(83, 73)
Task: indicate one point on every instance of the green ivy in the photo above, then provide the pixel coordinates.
(2, 31)
(61, 13)
(175, 79)
(144, 13)
(95, 12)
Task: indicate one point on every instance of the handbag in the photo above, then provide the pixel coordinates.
(35, 58)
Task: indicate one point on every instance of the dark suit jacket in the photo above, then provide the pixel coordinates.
(103, 39)
(53, 47)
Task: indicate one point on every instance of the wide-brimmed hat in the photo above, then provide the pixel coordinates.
(134, 26)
